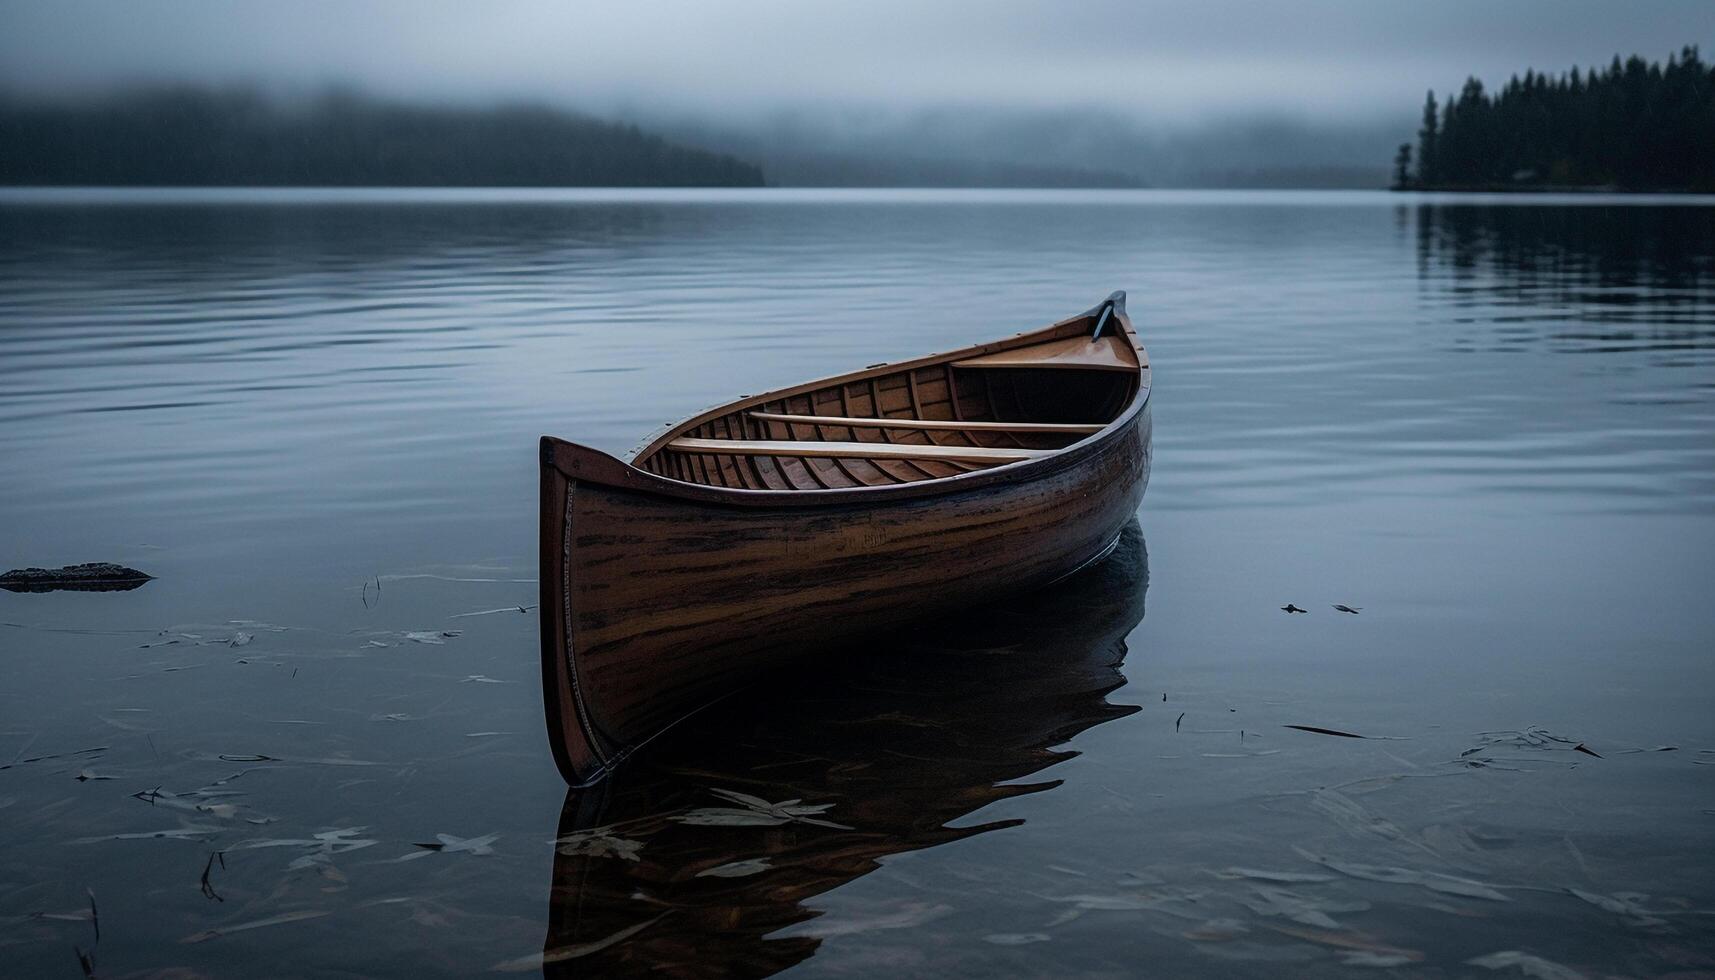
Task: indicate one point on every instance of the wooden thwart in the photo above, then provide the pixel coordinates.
(855, 450)
(937, 424)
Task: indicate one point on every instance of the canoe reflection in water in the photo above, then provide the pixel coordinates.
(684, 862)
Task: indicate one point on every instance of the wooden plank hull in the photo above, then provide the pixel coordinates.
(666, 605)
(661, 596)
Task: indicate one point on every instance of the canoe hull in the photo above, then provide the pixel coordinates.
(655, 604)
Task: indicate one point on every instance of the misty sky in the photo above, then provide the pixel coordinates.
(1166, 60)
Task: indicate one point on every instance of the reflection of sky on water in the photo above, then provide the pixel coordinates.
(1357, 400)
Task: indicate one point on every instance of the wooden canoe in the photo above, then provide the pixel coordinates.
(789, 523)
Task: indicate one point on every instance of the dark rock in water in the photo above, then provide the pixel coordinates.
(95, 576)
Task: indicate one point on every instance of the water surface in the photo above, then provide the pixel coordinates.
(1488, 422)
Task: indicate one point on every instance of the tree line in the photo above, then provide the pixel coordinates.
(189, 136)
(1636, 126)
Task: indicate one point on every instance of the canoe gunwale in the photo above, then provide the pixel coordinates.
(583, 464)
(1117, 325)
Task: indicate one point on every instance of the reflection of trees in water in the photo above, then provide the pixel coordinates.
(1577, 249)
(1649, 269)
(900, 745)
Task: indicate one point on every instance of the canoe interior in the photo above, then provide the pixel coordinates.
(1035, 409)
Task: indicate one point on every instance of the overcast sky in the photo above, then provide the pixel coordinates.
(1168, 60)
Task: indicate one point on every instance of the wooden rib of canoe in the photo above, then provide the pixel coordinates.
(783, 524)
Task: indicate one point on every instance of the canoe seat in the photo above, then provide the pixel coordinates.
(854, 450)
(1078, 353)
(949, 425)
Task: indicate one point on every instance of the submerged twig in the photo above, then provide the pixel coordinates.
(1323, 731)
(208, 886)
(86, 958)
(55, 755)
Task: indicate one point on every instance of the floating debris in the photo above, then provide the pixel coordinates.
(1342, 607)
(757, 812)
(432, 637)
(321, 846)
(599, 842)
(56, 755)
(1289, 608)
(294, 760)
(1323, 731)
(196, 802)
(448, 844)
(189, 832)
(89, 775)
(273, 920)
(735, 869)
(95, 576)
(490, 612)
(1528, 738)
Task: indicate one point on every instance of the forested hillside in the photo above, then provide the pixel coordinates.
(186, 136)
(1635, 125)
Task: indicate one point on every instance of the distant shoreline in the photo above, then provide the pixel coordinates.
(1548, 189)
(66, 195)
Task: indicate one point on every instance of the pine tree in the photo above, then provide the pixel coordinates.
(1426, 140)
(1402, 167)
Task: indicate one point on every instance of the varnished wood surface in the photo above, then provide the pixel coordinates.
(1079, 353)
(927, 388)
(826, 449)
(907, 416)
(661, 595)
(939, 425)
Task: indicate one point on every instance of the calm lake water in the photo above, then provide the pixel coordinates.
(1488, 422)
